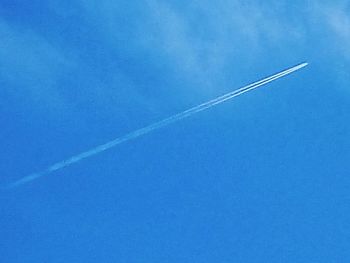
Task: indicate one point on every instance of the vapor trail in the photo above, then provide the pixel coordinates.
(154, 126)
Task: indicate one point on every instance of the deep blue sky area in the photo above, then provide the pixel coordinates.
(260, 178)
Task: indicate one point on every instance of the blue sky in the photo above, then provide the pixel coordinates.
(262, 178)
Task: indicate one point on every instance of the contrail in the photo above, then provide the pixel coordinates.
(154, 126)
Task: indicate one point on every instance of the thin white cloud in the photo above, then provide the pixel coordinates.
(37, 71)
(199, 40)
(339, 21)
(32, 65)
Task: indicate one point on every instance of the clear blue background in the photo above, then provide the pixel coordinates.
(261, 178)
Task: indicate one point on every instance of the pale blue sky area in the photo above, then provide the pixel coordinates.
(261, 178)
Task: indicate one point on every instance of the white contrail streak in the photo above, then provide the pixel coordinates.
(154, 126)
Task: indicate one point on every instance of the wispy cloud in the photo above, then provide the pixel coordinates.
(338, 19)
(41, 73)
(199, 41)
(208, 45)
(31, 65)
